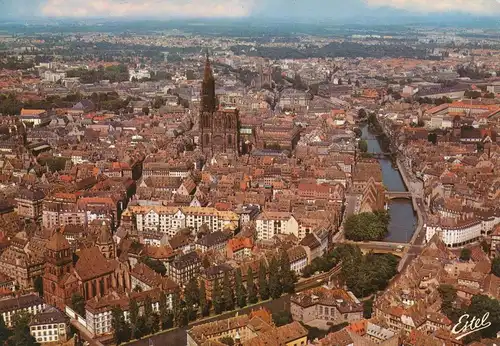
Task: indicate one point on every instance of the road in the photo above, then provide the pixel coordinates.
(412, 253)
(178, 337)
(416, 188)
(351, 202)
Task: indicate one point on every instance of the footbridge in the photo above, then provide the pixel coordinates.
(398, 194)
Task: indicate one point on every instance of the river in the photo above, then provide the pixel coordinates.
(403, 218)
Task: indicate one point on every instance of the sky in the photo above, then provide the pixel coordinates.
(165, 9)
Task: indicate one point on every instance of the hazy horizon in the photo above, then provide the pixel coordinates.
(307, 10)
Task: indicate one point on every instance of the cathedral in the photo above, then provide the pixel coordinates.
(91, 272)
(218, 128)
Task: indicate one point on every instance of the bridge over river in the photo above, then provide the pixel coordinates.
(398, 194)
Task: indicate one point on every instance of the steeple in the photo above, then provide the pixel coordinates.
(105, 241)
(208, 100)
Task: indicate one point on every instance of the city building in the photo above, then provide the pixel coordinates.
(184, 268)
(268, 224)
(29, 204)
(326, 305)
(30, 303)
(50, 325)
(170, 220)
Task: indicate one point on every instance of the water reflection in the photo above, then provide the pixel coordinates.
(403, 219)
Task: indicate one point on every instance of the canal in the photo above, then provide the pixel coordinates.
(403, 218)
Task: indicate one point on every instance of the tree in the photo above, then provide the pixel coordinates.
(204, 304)
(148, 314)
(465, 254)
(308, 271)
(158, 102)
(362, 113)
(252, 292)
(227, 340)
(372, 119)
(495, 266)
(281, 318)
(21, 334)
(165, 314)
(367, 308)
(366, 226)
(180, 317)
(145, 110)
(4, 332)
(363, 146)
(217, 300)
(485, 246)
(78, 304)
(192, 293)
(472, 94)
(263, 284)
(155, 324)
(134, 316)
(119, 325)
(432, 137)
(364, 274)
(141, 328)
(228, 293)
(448, 293)
(156, 265)
(274, 279)
(479, 306)
(38, 284)
(288, 278)
(241, 294)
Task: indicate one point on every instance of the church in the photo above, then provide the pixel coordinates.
(218, 127)
(91, 272)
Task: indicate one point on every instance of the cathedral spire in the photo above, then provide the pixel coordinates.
(208, 88)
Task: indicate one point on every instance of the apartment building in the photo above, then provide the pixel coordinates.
(269, 224)
(29, 204)
(184, 268)
(170, 219)
(50, 325)
(30, 303)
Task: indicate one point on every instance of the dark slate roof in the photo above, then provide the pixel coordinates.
(48, 316)
(18, 303)
(186, 260)
(213, 239)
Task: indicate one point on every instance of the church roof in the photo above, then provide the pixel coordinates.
(92, 264)
(58, 242)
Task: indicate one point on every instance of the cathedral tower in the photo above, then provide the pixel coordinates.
(219, 129)
(208, 98)
(58, 267)
(105, 241)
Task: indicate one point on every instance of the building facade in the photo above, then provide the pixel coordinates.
(30, 303)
